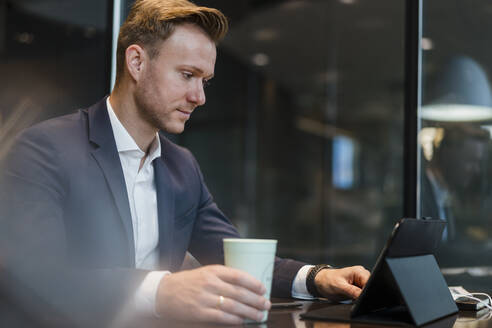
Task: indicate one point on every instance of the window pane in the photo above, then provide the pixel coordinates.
(54, 59)
(301, 137)
(456, 120)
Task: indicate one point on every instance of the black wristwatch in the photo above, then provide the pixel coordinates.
(311, 286)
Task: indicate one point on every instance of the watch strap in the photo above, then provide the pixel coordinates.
(310, 285)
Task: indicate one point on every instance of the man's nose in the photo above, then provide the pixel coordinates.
(197, 94)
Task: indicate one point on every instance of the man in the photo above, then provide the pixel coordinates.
(453, 178)
(115, 199)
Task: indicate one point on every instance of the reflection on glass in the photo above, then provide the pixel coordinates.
(460, 94)
(301, 136)
(54, 57)
(455, 137)
(343, 162)
(453, 174)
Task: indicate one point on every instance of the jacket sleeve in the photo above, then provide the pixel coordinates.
(35, 270)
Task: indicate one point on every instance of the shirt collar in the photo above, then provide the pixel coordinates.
(125, 142)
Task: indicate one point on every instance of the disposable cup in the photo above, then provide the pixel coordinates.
(256, 257)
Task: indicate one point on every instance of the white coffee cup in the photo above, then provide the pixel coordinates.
(254, 256)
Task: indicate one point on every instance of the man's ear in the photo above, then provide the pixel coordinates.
(136, 58)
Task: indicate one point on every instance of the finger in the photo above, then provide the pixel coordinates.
(363, 277)
(359, 275)
(244, 296)
(350, 290)
(218, 316)
(240, 278)
(239, 309)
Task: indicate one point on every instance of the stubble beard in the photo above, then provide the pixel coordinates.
(147, 111)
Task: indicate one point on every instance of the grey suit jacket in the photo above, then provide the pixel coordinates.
(64, 205)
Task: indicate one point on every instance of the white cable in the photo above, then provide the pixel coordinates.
(485, 316)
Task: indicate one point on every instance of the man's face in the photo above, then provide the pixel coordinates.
(172, 83)
(461, 163)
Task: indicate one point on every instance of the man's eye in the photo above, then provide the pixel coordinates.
(187, 75)
(206, 83)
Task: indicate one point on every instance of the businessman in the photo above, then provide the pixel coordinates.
(452, 178)
(105, 198)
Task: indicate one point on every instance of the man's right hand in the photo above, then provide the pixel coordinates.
(195, 296)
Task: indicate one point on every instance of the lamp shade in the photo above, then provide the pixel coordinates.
(460, 94)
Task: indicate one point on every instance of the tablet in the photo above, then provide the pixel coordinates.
(406, 286)
(410, 237)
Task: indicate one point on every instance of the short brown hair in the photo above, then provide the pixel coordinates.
(150, 22)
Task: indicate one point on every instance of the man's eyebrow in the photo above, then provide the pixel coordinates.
(199, 70)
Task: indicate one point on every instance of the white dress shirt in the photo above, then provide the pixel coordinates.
(142, 197)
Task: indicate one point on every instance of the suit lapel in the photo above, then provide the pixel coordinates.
(106, 155)
(165, 209)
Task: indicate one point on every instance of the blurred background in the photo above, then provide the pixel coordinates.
(302, 135)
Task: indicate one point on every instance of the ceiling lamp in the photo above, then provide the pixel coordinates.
(460, 94)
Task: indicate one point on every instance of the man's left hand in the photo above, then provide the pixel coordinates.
(341, 284)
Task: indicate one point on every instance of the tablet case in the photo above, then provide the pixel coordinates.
(406, 285)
